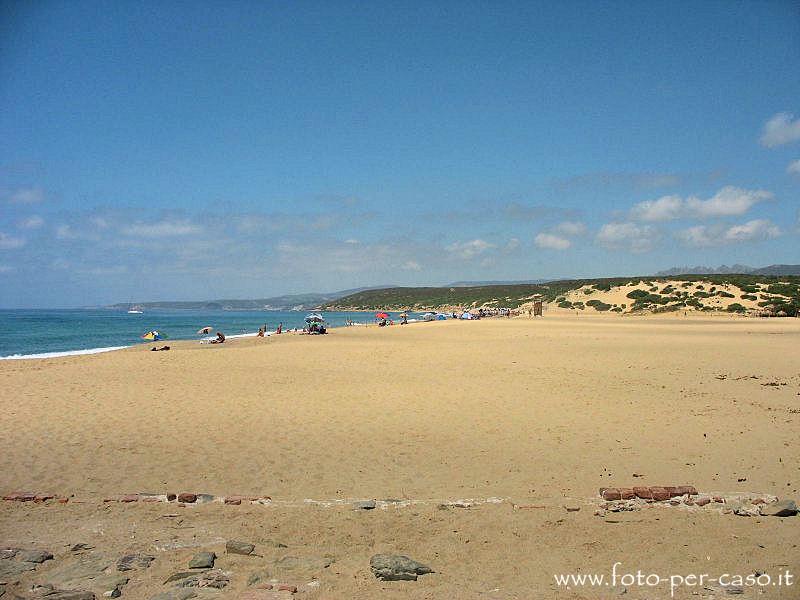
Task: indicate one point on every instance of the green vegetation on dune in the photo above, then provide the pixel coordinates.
(782, 292)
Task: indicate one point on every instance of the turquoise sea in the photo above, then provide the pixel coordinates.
(34, 333)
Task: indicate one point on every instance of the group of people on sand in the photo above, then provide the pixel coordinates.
(262, 331)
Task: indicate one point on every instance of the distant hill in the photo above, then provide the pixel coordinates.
(723, 269)
(775, 270)
(285, 302)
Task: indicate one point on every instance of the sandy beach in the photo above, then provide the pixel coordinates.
(534, 415)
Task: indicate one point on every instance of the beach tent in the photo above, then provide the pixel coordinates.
(153, 335)
(466, 315)
(441, 317)
(428, 316)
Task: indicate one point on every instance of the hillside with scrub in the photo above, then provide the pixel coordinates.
(743, 294)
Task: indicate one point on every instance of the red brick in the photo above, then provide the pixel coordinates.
(129, 498)
(718, 499)
(643, 492)
(187, 497)
(610, 494)
(63, 500)
(686, 489)
(758, 501)
(287, 588)
(150, 499)
(659, 493)
(702, 501)
(627, 493)
(236, 500)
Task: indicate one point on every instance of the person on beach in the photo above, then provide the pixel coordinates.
(280, 328)
(260, 332)
(220, 338)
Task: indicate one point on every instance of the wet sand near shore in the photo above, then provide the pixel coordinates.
(539, 413)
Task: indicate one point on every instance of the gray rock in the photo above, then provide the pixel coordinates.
(365, 505)
(34, 556)
(179, 576)
(81, 547)
(236, 547)
(744, 510)
(175, 595)
(783, 508)
(9, 569)
(214, 578)
(134, 562)
(68, 595)
(391, 567)
(204, 498)
(8, 553)
(88, 571)
(202, 560)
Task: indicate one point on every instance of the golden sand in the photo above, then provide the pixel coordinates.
(535, 412)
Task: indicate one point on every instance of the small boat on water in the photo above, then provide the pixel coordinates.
(135, 310)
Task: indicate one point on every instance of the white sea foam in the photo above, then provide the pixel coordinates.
(61, 354)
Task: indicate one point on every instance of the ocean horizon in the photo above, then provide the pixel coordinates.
(50, 333)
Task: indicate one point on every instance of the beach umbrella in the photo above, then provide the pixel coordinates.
(153, 335)
(205, 330)
(381, 315)
(314, 318)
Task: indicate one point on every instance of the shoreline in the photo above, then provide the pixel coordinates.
(553, 311)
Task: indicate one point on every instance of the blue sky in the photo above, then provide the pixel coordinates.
(207, 150)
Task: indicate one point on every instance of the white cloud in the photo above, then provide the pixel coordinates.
(794, 167)
(781, 129)
(411, 265)
(351, 241)
(551, 241)
(636, 238)
(571, 228)
(665, 208)
(32, 222)
(26, 196)
(162, 229)
(512, 245)
(728, 201)
(467, 250)
(9, 242)
(757, 229)
(718, 235)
